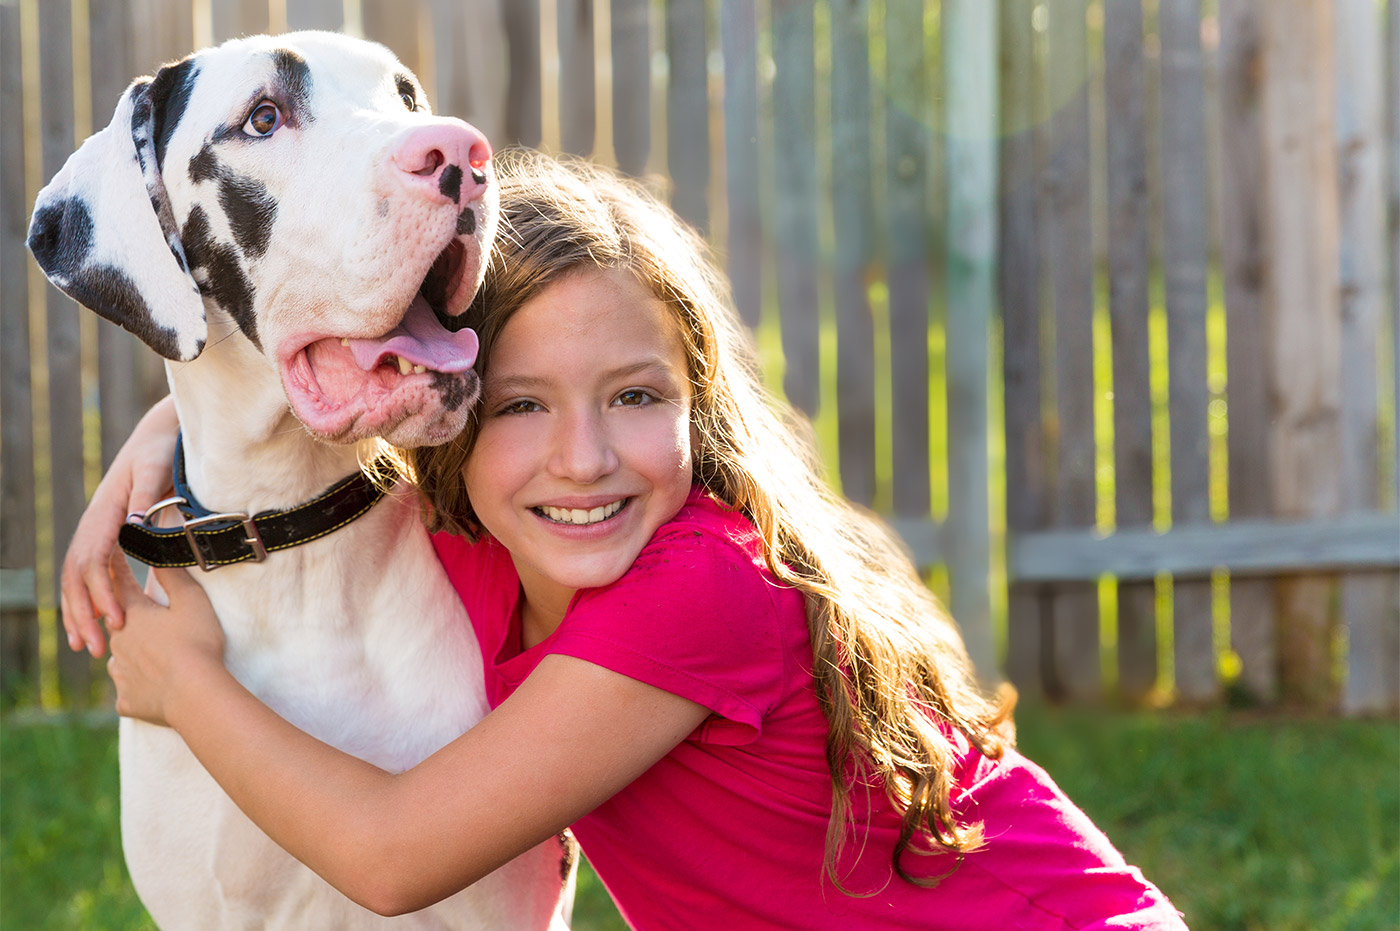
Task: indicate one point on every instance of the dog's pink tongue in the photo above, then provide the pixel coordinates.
(421, 340)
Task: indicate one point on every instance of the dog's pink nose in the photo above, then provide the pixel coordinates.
(444, 160)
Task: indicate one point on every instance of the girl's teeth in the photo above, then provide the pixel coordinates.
(581, 516)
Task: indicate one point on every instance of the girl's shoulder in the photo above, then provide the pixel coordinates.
(704, 531)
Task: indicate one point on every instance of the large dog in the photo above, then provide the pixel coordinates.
(284, 220)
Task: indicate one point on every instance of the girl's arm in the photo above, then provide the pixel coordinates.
(139, 477)
(570, 737)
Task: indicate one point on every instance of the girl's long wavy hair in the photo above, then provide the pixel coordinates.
(892, 674)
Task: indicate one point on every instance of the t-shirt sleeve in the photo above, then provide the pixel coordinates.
(694, 616)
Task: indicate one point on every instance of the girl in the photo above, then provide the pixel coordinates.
(730, 683)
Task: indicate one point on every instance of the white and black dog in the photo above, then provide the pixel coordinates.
(285, 221)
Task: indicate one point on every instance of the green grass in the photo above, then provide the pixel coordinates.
(1246, 822)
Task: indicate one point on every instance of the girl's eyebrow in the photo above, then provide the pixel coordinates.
(524, 384)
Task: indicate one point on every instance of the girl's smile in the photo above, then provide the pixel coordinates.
(584, 445)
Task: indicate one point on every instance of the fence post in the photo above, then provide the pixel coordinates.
(795, 202)
(631, 84)
(1018, 277)
(1185, 248)
(19, 647)
(1128, 306)
(688, 112)
(1244, 260)
(1068, 237)
(1303, 318)
(852, 204)
(744, 242)
(906, 170)
(970, 66)
(1370, 601)
(578, 116)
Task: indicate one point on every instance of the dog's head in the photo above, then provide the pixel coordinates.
(298, 189)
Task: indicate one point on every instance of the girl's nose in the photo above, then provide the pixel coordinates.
(584, 452)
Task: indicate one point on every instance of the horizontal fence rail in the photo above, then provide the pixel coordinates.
(1095, 300)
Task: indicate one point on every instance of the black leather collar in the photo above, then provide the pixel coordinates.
(211, 540)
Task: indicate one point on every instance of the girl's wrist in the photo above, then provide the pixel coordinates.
(195, 677)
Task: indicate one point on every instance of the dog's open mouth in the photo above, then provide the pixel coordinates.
(419, 374)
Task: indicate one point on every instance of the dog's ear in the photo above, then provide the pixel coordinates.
(103, 231)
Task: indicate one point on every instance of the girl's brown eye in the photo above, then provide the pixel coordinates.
(264, 121)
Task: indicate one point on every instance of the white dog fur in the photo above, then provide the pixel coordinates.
(272, 270)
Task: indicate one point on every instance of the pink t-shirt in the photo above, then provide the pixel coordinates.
(728, 830)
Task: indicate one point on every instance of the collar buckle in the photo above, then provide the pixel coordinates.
(252, 538)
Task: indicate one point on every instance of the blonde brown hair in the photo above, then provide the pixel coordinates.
(891, 669)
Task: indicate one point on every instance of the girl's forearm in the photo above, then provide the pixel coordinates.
(323, 806)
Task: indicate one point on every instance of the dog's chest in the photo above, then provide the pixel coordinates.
(365, 647)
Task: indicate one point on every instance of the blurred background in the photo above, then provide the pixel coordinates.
(1095, 300)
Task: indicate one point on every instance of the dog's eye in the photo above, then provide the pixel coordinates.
(408, 100)
(264, 120)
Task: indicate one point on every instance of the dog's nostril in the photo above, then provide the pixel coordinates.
(433, 160)
(478, 175)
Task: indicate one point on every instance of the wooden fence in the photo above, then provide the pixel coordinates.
(1096, 299)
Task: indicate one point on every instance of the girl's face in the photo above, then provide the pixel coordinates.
(584, 445)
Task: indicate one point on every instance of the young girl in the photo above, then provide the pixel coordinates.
(729, 682)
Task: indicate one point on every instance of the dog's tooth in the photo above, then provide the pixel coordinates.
(419, 369)
(345, 341)
(405, 366)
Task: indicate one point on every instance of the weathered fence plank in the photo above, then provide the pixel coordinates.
(19, 647)
(1184, 249)
(1244, 260)
(630, 26)
(688, 112)
(578, 115)
(744, 241)
(399, 26)
(1068, 238)
(1304, 324)
(970, 71)
(1370, 601)
(524, 121)
(907, 143)
(470, 64)
(795, 206)
(852, 205)
(127, 375)
(314, 14)
(64, 359)
(1128, 303)
(1019, 290)
(229, 18)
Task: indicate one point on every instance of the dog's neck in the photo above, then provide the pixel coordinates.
(244, 450)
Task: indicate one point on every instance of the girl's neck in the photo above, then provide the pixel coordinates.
(536, 623)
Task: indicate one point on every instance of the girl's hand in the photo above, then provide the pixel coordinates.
(139, 477)
(161, 649)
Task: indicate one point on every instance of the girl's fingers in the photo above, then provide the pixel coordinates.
(127, 589)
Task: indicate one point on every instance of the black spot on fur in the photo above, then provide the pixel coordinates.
(293, 85)
(204, 166)
(450, 184)
(250, 207)
(251, 211)
(169, 94)
(466, 222)
(224, 280)
(61, 239)
(456, 390)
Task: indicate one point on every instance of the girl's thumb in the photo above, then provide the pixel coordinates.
(175, 580)
(124, 583)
